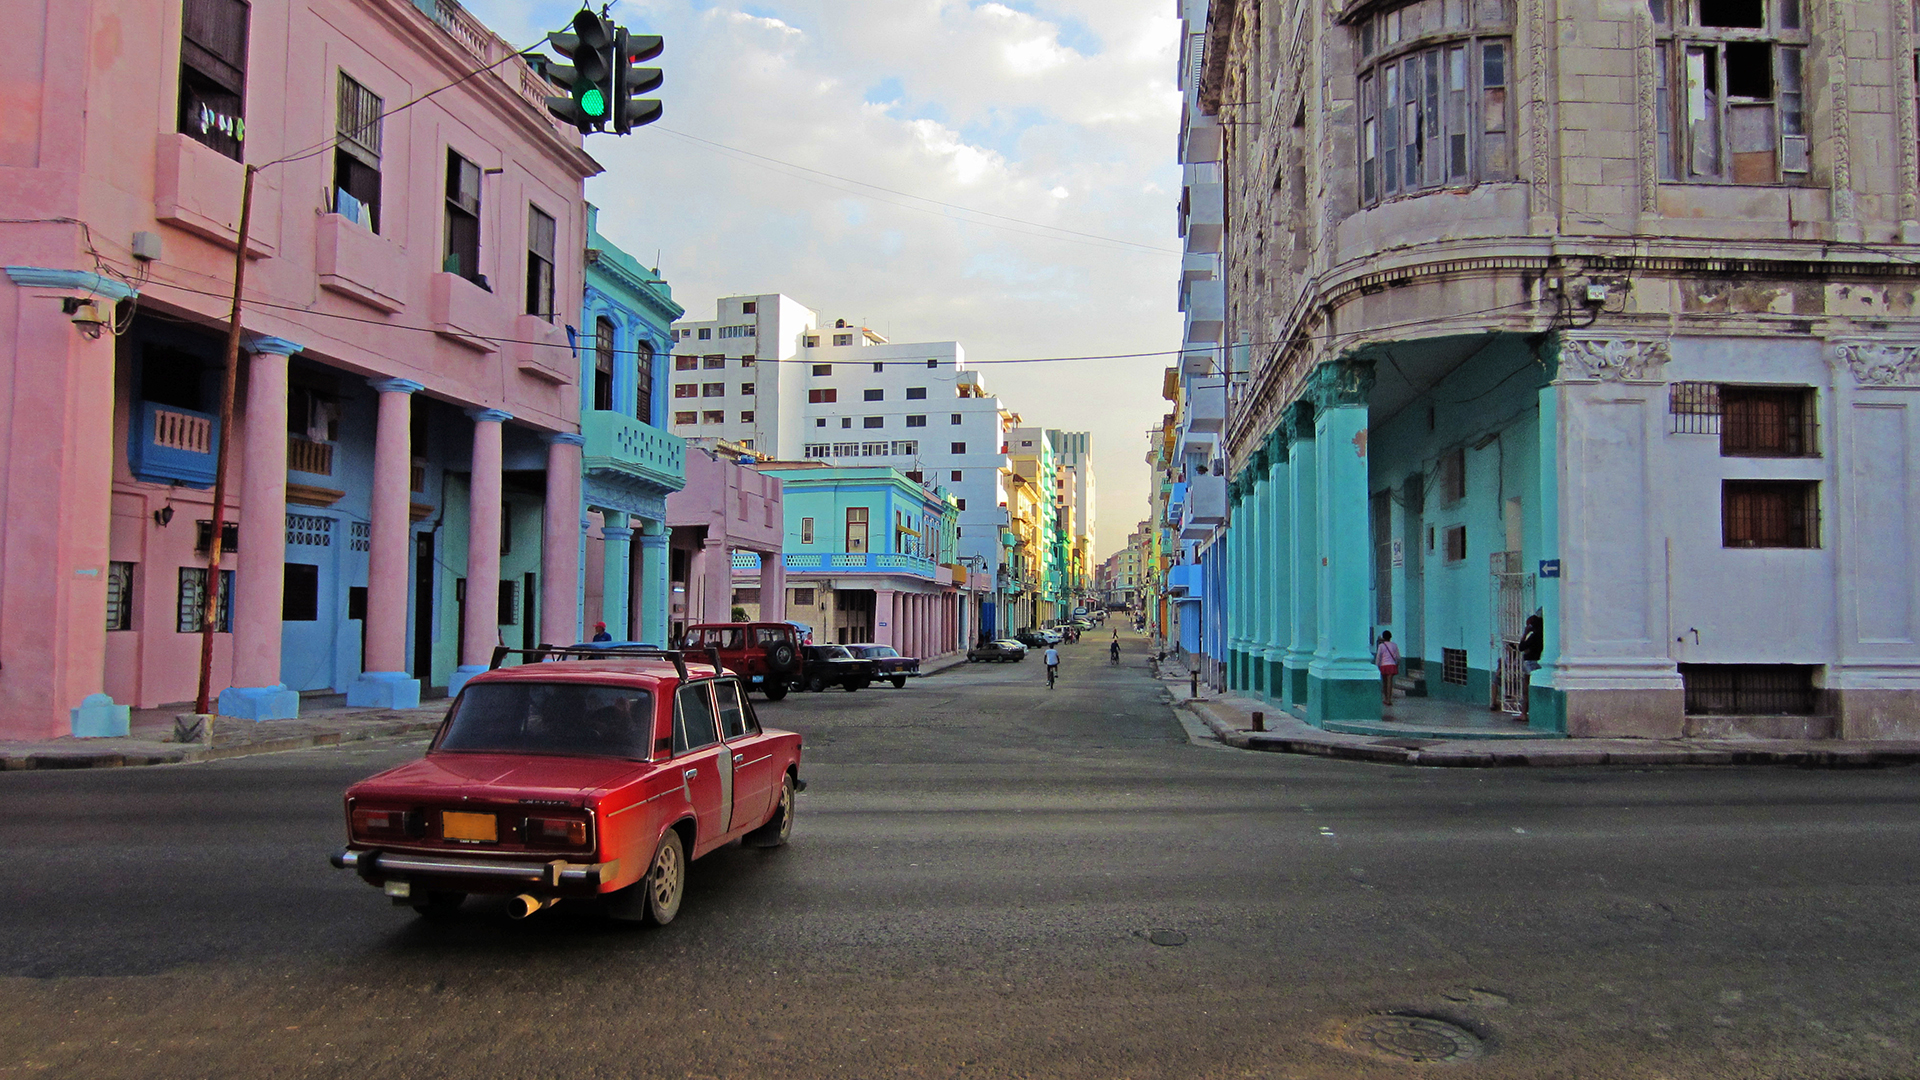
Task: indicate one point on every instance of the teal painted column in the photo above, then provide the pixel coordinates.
(1257, 572)
(1276, 630)
(1235, 575)
(653, 584)
(614, 568)
(1303, 625)
(1546, 704)
(1342, 683)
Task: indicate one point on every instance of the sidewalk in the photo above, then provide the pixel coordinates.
(323, 722)
(1230, 719)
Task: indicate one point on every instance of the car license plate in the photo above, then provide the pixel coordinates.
(458, 826)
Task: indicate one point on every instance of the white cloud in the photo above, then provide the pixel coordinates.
(1057, 112)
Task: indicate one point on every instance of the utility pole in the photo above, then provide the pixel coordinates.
(211, 593)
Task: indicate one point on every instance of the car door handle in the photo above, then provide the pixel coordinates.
(738, 758)
(691, 773)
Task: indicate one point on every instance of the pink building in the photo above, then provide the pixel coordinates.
(407, 384)
(725, 507)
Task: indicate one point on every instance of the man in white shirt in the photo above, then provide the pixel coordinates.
(1052, 658)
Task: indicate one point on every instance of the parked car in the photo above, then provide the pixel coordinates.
(833, 665)
(998, 652)
(887, 662)
(766, 655)
(1037, 639)
(573, 779)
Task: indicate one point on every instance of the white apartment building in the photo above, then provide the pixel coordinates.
(768, 374)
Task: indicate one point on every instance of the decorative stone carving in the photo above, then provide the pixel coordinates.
(1276, 446)
(1647, 90)
(1342, 384)
(1297, 421)
(1613, 359)
(1876, 363)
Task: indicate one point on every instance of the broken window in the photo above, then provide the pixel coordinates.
(1434, 108)
(1740, 115)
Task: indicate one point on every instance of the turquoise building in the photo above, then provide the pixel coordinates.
(630, 462)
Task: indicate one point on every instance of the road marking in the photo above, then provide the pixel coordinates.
(1324, 831)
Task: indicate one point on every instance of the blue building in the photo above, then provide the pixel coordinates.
(631, 463)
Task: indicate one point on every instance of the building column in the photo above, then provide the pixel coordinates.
(1303, 593)
(773, 587)
(1277, 627)
(1342, 683)
(615, 570)
(384, 682)
(886, 622)
(654, 597)
(559, 553)
(259, 586)
(717, 588)
(1236, 591)
(482, 630)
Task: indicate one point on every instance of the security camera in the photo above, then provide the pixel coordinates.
(88, 315)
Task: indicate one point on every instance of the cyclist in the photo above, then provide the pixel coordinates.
(1053, 665)
(1113, 650)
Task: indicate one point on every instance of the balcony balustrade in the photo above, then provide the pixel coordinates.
(619, 443)
(173, 445)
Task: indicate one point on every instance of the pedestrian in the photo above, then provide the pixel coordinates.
(1052, 657)
(1532, 641)
(1386, 657)
(600, 632)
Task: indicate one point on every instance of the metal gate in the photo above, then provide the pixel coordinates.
(1512, 603)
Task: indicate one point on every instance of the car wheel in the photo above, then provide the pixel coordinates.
(774, 690)
(780, 826)
(816, 684)
(666, 880)
(439, 905)
(899, 682)
(851, 685)
(780, 656)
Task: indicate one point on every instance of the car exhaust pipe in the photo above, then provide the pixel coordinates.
(524, 905)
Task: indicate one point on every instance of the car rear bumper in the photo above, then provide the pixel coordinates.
(377, 867)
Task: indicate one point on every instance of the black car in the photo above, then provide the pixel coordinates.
(832, 665)
(888, 664)
(998, 652)
(1031, 639)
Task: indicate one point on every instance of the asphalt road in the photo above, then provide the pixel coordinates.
(972, 891)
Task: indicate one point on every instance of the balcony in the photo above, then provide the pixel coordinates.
(1203, 218)
(1186, 581)
(1206, 507)
(173, 445)
(857, 562)
(1206, 312)
(1207, 404)
(618, 443)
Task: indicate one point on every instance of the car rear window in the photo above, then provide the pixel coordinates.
(552, 718)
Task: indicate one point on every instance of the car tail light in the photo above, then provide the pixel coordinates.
(388, 824)
(547, 832)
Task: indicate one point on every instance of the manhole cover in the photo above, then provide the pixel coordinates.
(1166, 937)
(1414, 1038)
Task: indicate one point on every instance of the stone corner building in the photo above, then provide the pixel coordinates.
(1598, 308)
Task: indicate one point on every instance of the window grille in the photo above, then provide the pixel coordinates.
(359, 536)
(120, 596)
(309, 530)
(1770, 513)
(1767, 422)
(1750, 689)
(1453, 666)
(1456, 543)
(191, 606)
(509, 603)
(803, 597)
(1694, 408)
(356, 160)
(685, 417)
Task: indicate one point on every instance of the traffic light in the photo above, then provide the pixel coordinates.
(629, 111)
(590, 80)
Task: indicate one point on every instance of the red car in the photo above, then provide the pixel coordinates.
(576, 778)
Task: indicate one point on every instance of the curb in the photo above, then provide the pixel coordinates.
(115, 759)
(1439, 753)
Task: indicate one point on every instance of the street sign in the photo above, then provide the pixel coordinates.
(1549, 568)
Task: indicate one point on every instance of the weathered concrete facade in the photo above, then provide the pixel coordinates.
(1600, 309)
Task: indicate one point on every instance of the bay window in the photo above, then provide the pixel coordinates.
(1732, 94)
(1435, 111)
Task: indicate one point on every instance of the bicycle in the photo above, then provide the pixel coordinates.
(1053, 670)
(1113, 655)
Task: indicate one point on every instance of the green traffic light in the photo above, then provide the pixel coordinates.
(593, 102)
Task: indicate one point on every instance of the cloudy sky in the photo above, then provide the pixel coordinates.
(994, 172)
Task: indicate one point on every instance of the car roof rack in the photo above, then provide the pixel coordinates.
(545, 653)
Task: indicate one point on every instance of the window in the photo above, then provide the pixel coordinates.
(956, 476)
(693, 721)
(1766, 422)
(706, 333)
(713, 363)
(191, 606)
(713, 389)
(685, 417)
(1456, 543)
(300, 592)
(846, 421)
(1452, 480)
(819, 421)
(462, 255)
(686, 363)
(356, 155)
(1432, 90)
(540, 234)
(749, 307)
(962, 503)
(603, 347)
(873, 422)
(747, 361)
(686, 390)
(954, 419)
(907, 448)
(959, 448)
(803, 597)
(813, 341)
(806, 530)
(843, 339)
(878, 367)
(876, 395)
(119, 596)
(738, 331)
(713, 416)
(1453, 666)
(746, 596)
(1769, 513)
(746, 389)
(856, 528)
(916, 421)
(747, 417)
(933, 363)
(822, 397)
(1739, 115)
(506, 528)
(1750, 689)
(823, 369)
(213, 74)
(643, 382)
(916, 393)
(736, 715)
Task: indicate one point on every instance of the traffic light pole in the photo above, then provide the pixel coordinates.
(211, 592)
